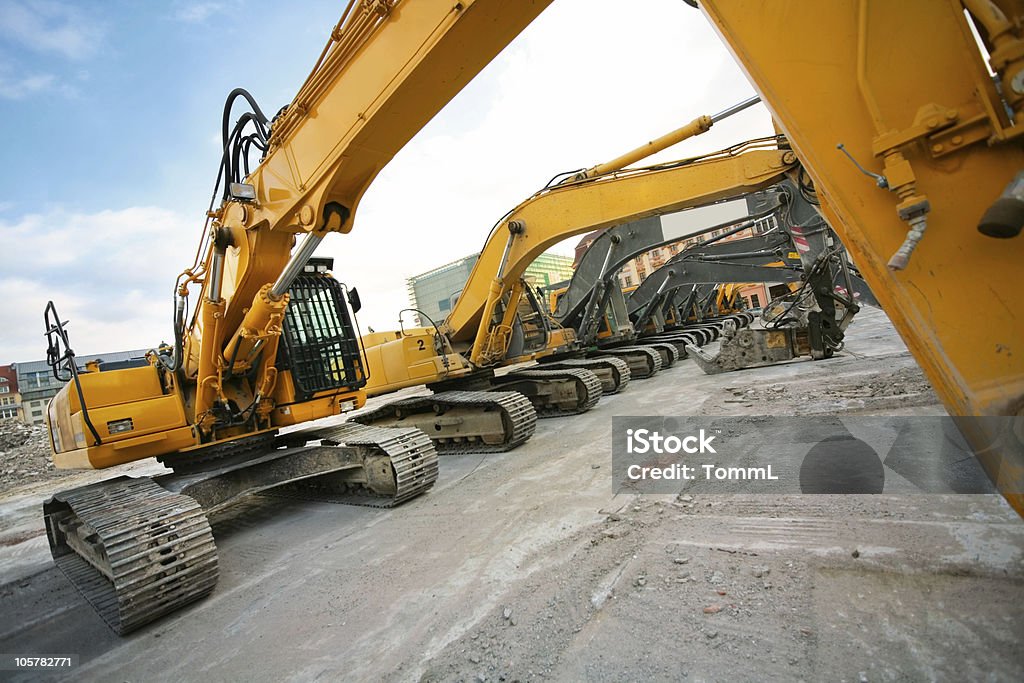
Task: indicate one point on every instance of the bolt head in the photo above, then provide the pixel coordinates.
(1017, 82)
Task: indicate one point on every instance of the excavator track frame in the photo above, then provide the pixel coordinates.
(516, 413)
(613, 372)
(584, 384)
(644, 362)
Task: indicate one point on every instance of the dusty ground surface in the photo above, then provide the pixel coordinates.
(526, 566)
(25, 455)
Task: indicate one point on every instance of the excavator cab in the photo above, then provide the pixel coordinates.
(102, 418)
(319, 350)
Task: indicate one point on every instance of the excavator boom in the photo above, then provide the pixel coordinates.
(905, 95)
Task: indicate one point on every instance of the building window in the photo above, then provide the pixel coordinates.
(4, 389)
(629, 281)
(755, 302)
(37, 413)
(6, 413)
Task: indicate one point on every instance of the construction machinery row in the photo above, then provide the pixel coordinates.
(272, 341)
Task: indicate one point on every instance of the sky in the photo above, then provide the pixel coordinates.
(111, 137)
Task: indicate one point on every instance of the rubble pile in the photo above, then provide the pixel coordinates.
(25, 455)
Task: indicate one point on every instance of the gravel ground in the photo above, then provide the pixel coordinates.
(25, 455)
(527, 566)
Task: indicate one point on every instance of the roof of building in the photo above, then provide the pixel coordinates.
(82, 358)
(441, 269)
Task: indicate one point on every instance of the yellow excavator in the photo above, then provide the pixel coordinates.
(911, 130)
(271, 341)
(499, 321)
(901, 128)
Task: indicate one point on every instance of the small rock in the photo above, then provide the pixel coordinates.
(806, 632)
(855, 553)
(712, 609)
(862, 676)
(475, 659)
(681, 560)
(711, 634)
(717, 578)
(759, 571)
(507, 613)
(595, 467)
(640, 581)
(686, 499)
(614, 517)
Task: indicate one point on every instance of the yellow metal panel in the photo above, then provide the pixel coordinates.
(112, 387)
(398, 361)
(108, 455)
(956, 305)
(148, 416)
(316, 408)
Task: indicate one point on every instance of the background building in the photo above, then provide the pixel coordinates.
(37, 385)
(10, 398)
(436, 291)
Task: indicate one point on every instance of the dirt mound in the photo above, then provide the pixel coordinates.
(25, 455)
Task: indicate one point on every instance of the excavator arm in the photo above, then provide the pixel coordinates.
(388, 67)
(570, 209)
(923, 191)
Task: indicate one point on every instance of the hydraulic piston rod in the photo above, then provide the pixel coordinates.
(701, 124)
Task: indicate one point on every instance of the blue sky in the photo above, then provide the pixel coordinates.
(111, 120)
(109, 102)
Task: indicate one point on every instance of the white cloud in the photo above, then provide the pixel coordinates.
(50, 27)
(110, 273)
(20, 88)
(197, 12)
(585, 83)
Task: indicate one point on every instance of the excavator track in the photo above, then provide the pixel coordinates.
(134, 550)
(644, 362)
(140, 548)
(413, 461)
(668, 352)
(613, 372)
(541, 385)
(445, 415)
(680, 340)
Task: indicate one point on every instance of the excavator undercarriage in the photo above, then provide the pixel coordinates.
(139, 548)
